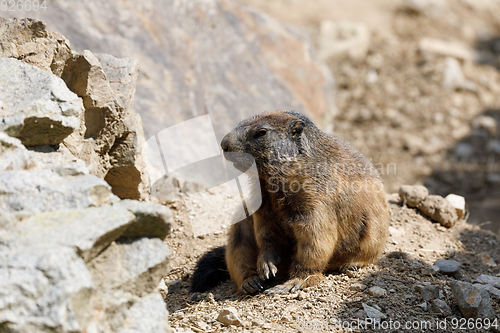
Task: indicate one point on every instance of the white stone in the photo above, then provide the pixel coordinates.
(229, 316)
(458, 202)
(39, 109)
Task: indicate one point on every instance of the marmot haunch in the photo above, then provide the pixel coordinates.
(323, 209)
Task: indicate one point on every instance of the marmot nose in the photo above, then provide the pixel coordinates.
(225, 143)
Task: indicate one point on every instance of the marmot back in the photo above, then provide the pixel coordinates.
(323, 206)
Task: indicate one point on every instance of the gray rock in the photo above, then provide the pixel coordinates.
(492, 290)
(440, 307)
(89, 231)
(152, 220)
(472, 302)
(413, 195)
(487, 259)
(43, 274)
(424, 306)
(42, 289)
(439, 209)
(377, 291)
(175, 286)
(45, 190)
(148, 315)
(429, 292)
(229, 316)
(133, 266)
(37, 108)
(13, 155)
(163, 289)
(373, 313)
(448, 267)
(488, 279)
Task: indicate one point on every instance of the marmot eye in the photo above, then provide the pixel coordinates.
(260, 133)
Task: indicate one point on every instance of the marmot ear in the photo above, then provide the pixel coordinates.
(297, 127)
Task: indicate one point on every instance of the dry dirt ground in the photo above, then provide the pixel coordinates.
(391, 105)
(414, 245)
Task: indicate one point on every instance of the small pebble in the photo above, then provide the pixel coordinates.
(424, 306)
(361, 315)
(429, 292)
(492, 290)
(448, 267)
(196, 297)
(377, 291)
(229, 316)
(487, 259)
(174, 286)
(373, 313)
(440, 307)
(210, 297)
(413, 195)
(489, 279)
(357, 286)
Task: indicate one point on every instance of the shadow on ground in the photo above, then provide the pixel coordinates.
(472, 169)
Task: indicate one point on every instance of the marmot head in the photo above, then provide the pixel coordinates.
(270, 138)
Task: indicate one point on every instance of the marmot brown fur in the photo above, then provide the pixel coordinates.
(323, 208)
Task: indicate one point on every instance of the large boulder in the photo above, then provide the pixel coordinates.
(200, 57)
(72, 271)
(73, 256)
(59, 270)
(42, 288)
(37, 106)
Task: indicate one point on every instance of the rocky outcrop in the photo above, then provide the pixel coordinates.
(105, 132)
(76, 258)
(112, 140)
(200, 57)
(37, 107)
